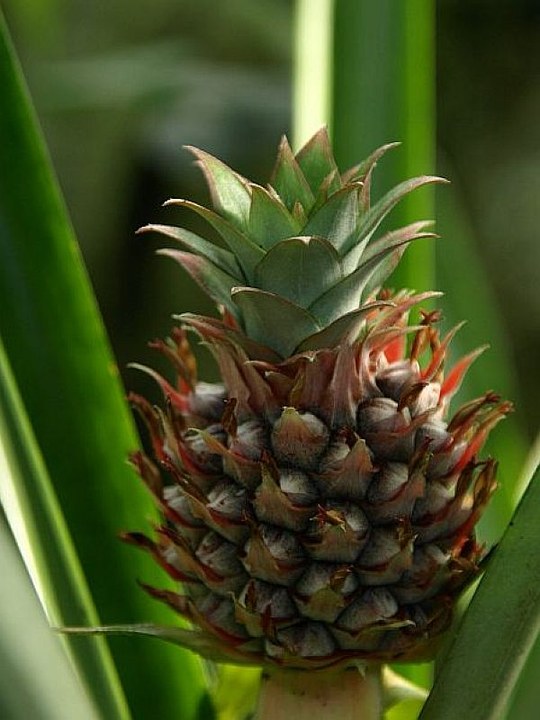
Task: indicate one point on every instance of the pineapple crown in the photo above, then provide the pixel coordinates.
(301, 259)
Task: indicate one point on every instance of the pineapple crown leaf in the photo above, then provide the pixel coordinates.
(316, 160)
(300, 253)
(365, 168)
(221, 258)
(265, 314)
(337, 218)
(247, 252)
(289, 181)
(269, 220)
(299, 269)
(227, 188)
(216, 283)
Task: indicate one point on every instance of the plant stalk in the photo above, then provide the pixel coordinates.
(346, 694)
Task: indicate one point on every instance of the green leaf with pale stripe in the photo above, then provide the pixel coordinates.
(299, 269)
(337, 219)
(36, 519)
(37, 681)
(218, 256)
(228, 190)
(272, 320)
(269, 219)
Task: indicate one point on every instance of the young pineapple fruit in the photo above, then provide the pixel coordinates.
(319, 508)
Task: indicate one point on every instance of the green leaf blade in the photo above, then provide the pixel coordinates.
(31, 655)
(299, 269)
(223, 259)
(499, 628)
(39, 527)
(273, 320)
(70, 387)
(269, 220)
(337, 218)
(228, 190)
(316, 160)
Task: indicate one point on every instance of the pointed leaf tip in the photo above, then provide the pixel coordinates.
(228, 189)
(215, 283)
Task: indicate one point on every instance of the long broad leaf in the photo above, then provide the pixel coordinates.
(69, 384)
(38, 526)
(36, 680)
(500, 626)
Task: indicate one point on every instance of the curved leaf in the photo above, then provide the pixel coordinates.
(499, 628)
(37, 680)
(299, 269)
(271, 320)
(373, 218)
(39, 528)
(223, 259)
(247, 253)
(269, 219)
(336, 220)
(215, 283)
(229, 191)
(344, 329)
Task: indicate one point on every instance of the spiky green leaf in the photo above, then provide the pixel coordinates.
(346, 295)
(299, 269)
(216, 283)
(223, 259)
(344, 329)
(316, 160)
(201, 643)
(359, 172)
(269, 219)
(247, 253)
(337, 219)
(289, 181)
(228, 190)
(373, 218)
(397, 241)
(272, 320)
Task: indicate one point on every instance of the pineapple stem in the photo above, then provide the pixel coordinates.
(347, 695)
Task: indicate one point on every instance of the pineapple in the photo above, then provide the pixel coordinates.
(318, 506)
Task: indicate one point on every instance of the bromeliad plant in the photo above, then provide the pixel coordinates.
(318, 507)
(319, 504)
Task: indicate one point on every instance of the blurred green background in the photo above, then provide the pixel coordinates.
(120, 86)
